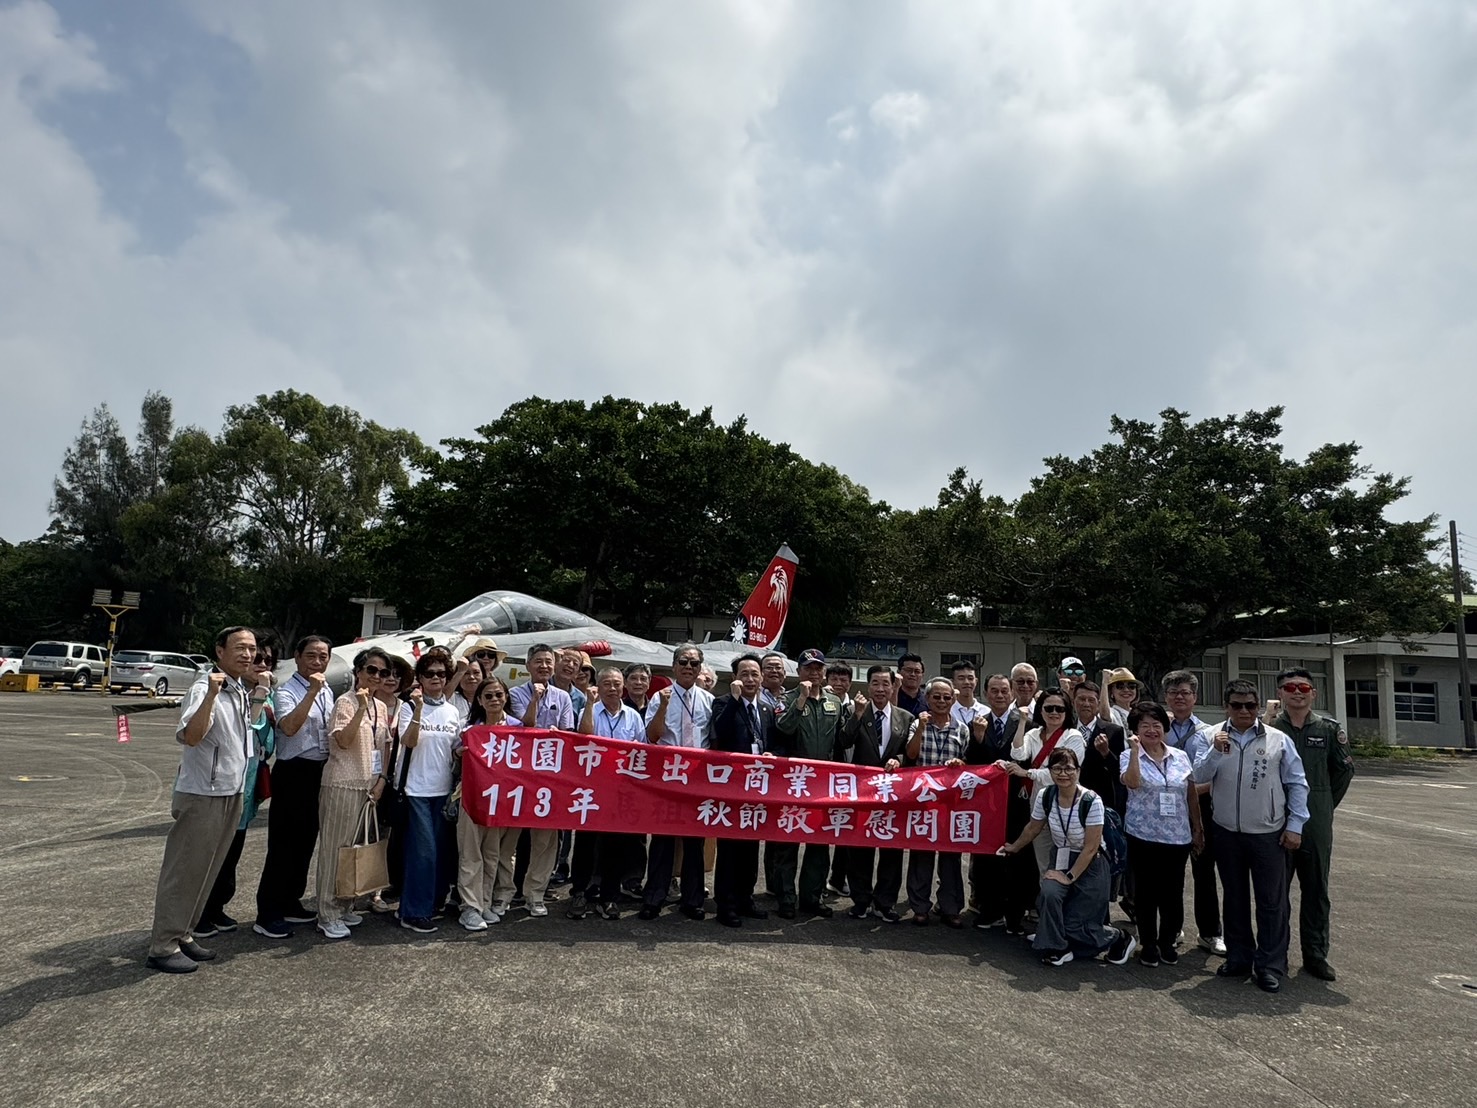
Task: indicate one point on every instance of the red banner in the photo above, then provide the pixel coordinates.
(528, 777)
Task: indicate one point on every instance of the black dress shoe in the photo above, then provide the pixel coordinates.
(1227, 969)
(1267, 981)
(693, 913)
(1320, 969)
(728, 920)
(785, 913)
(195, 952)
(825, 911)
(648, 911)
(753, 911)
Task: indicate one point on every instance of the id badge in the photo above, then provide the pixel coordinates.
(377, 763)
(1063, 858)
(1168, 804)
(755, 748)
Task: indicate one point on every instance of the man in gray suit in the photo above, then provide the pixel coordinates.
(875, 732)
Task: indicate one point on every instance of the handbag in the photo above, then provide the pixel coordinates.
(392, 805)
(453, 806)
(363, 865)
(263, 788)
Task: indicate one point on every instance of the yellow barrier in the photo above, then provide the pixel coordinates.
(15, 682)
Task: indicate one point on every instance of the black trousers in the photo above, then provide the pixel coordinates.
(735, 874)
(659, 870)
(225, 881)
(1255, 865)
(1202, 871)
(1159, 890)
(292, 832)
(598, 861)
(921, 867)
(881, 893)
(520, 860)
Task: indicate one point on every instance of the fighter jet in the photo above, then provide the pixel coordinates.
(518, 621)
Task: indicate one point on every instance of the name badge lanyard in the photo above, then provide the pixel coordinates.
(1064, 852)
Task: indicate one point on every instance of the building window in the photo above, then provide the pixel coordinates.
(946, 663)
(1362, 699)
(1415, 701)
(1210, 670)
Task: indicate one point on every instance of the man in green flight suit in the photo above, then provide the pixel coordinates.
(1324, 749)
(809, 725)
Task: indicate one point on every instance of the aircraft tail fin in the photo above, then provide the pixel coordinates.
(761, 621)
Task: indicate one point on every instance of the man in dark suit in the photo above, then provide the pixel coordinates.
(875, 731)
(1003, 888)
(742, 724)
(1104, 740)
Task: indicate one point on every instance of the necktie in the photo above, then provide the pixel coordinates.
(998, 726)
(880, 732)
(754, 721)
(689, 725)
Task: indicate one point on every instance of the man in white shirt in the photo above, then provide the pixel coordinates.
(538, 702)
(679, 715)
(604, 855)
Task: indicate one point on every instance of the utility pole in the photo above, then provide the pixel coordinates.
(1464, 674)
(103, 598)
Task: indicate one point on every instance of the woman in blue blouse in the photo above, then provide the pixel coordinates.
(1163, 824)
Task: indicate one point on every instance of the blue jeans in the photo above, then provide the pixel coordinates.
(428, 857)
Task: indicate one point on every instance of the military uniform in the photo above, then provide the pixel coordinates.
(1324, 749)
(810, 730)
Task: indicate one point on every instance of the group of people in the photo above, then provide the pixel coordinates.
(1112, 796)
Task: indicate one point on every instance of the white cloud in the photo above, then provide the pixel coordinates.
(1002, 221)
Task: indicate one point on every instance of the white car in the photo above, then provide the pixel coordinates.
(153, 670)
(10, 659)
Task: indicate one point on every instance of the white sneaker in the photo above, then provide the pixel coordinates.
(1213, 945)
(489, 916)
(351, 919)
(334, 929)
(1031, 938)
(538, 908)
(472, 920)
(499, 909)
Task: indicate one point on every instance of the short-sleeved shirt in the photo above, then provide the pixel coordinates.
(959, 713)
(355, 765)
(1067, 829)
(624, 723)
(1157, 810)
(430, 760)
(555, 710)
(940, 744)
(683, 703)
(311, 739)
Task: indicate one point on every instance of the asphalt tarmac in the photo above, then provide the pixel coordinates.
(673, 1012)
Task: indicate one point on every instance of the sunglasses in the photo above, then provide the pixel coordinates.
(688, 662)
(260, 659)
(1053, 710)
(494, 694)
(1243, 705)
(1297, 687)
(376, 671)
(484, 655)
(1075, 671)
(434, 675)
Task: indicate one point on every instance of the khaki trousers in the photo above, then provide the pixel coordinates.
(484, 862)
(545, 851)
(338, 818)
(197, 844)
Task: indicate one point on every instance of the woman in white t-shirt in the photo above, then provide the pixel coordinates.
(429, 729)
(465, 693)
(1075, 889)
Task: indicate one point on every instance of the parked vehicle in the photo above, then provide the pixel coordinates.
(78, 664)
(201, 660)
(152, 669)
(10, 659)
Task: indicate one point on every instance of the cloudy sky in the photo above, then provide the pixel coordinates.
(901, 237)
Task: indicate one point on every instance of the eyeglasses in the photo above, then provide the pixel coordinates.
(1242, 705)
(1053, 710)
(1023, 681)
(375, 671)
(1176, 693)
(434, 675)
(688, 662)
(1075, 671)
(1063, 769)
(1297, 687)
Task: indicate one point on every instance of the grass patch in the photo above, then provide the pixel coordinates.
(1372, 746)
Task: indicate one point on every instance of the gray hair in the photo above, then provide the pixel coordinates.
(1179, 677)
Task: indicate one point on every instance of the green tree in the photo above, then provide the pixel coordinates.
(1186, 536)
(626, 510)
(302, 480)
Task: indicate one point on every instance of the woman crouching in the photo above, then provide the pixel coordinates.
(1074, 891)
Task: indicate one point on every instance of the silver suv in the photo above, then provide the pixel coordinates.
(78, 664)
